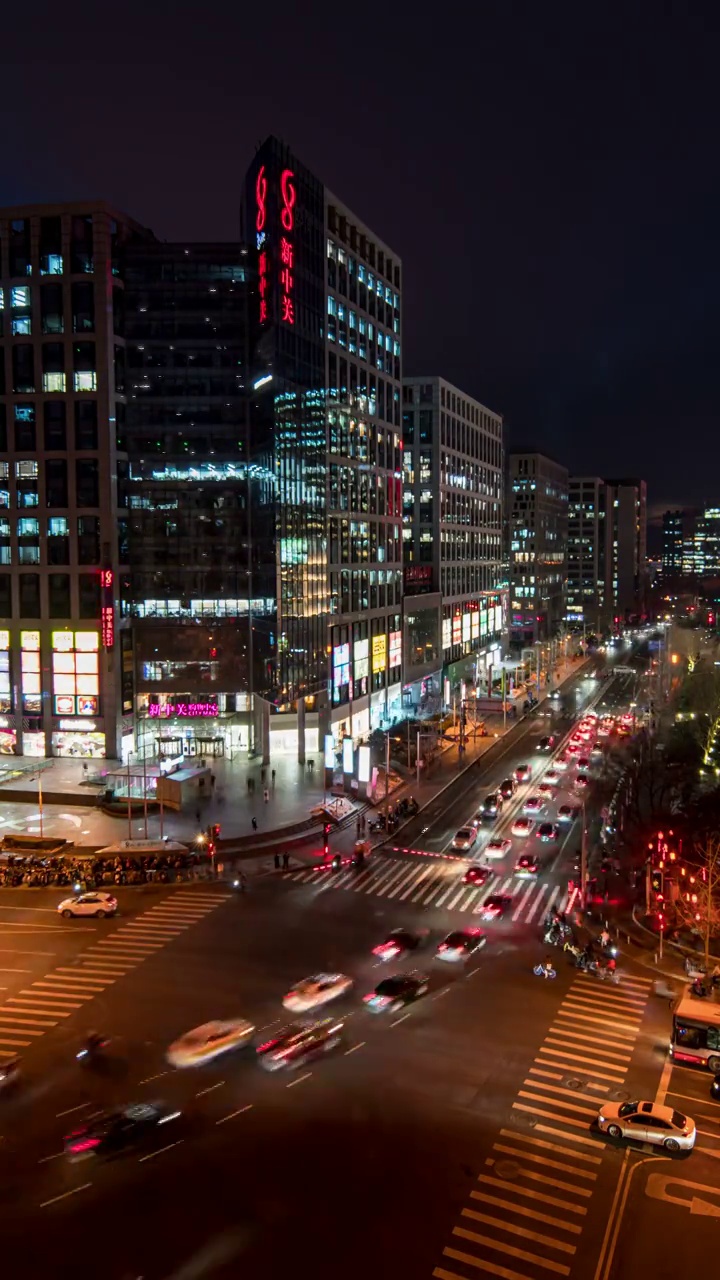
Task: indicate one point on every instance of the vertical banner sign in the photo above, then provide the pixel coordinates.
(288, 196)
(261, 242)
(107, 611)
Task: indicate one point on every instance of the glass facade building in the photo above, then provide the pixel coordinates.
(326, 369)
(589, 599)
(538, 527)
(63, 514)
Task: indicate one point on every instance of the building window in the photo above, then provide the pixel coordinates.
(59, 595)
(20, 297)
(25, 428)
(81, 248)
(20, 264)
(56, 484)
(89, 595)
(30, 596)
(86, 431)
(58, 541)
(23, 369)
(21, 327)
(54, 382)
(54, 422)
(88, 539)
(85, 381)
(51, 308)
(83, 308)
(86, 481)
(51, 262)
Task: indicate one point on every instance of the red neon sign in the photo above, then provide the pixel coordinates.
(288, 197)
(260, 197)
(263, 256)
(107, 625)
(106, 578)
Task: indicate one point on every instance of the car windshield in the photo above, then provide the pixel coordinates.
(493, 902)
(628, 1109)
(390, 986)
(679, 1120)
(456, 940)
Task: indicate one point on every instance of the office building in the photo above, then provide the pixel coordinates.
(588, 606)
(326, 380)
(707, 543)
(627, 572)
(675, 530)
(63, 526)
(537, 526)
(195, 496)
(453, 463)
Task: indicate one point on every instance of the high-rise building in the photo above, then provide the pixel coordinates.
(326, 379)
(63, 525)
(588, 555)
(627, 519)
(537, 526)
(453, 529)
(196, 497)
(707, 543)
(674, 533)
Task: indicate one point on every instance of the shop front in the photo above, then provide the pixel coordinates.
(168, 726)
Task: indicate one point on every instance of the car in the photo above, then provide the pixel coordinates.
(400, 942)
(715, 1088)
(94, 904)
(526, 866)
(507, 788)
(492, 805)
(573, 748)
(604, 729)
(460, 944)
(465, 838)
(498, 847)
(546, 744)
(562, 762)
(582, 782)
(534, 804)
(110, 1132)
(546, 789)
(209, 1041)
(568, 813)
(583, 762)
(476, 875)
(523, 773)
(596, 751)
(398, 990)
(553, 777)
(494, 907)
(317, 990)
(294, 1045)
(648, 1122)
(548, 831)
(522, 826)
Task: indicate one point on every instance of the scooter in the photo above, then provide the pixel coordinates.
(544, 971)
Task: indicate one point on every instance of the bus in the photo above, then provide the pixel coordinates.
(696, 1030)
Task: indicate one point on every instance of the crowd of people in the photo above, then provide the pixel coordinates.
(18, 870)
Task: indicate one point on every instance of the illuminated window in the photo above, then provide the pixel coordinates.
(57, 381)
(4, 641)
(21, 326)
(20, 296)
(62, 641)
(85, 381)
(26, 470)
(87, 641)
(30, 641)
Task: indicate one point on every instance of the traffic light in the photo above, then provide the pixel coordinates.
(216, 830)
(326, 837)
(656, 881)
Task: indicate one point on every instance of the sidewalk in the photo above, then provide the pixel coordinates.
(295, 791)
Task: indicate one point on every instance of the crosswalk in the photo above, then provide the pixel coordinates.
(433, 884)
(36, 1009)
(527, 1212)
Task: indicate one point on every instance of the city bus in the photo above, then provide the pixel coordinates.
(696, 1030)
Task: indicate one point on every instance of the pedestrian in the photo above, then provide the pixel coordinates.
(212, 781)
(266, 795)
(254, 824)
(272, 777)
(286, 861)
(263, 771)
(201, 785)
(249, 784)
(358, 828)
(277, 861)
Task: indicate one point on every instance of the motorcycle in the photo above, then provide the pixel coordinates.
(91, 1050)
(544, 971)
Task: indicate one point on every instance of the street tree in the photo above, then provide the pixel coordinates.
(698, 902)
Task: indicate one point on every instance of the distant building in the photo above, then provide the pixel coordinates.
(627, 521)
(538, 527)
(674, 531)
(707, 543)
(453, 468)
(589, 603)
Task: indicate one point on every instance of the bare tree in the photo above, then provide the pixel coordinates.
(698, 901)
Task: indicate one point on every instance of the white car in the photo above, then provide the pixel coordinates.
(88, 904)
(497, 847)
(460, 945)
(320, 989)
(648, 1122)
(209, 1041)
(553, 777)
(465, 838)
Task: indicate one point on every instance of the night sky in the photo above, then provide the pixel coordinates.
(548, 173)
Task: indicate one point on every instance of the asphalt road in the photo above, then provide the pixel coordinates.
(452, 1140)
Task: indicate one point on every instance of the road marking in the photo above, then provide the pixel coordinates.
(210, 1089)
(32, 1008)
(14, 971)
(566, 1037)
(83, 1106)
(18, 1044)
(148, 1079)
(504, 1225)
(556, 1102)
(592, 1021)
(549, 1115)
(233, 1114)
(612, 1038)
(499, 1246)
(531, 1195)
(44, 1204)
(570, 1137)
(153, 1154)
(569, 1093)
(703, 1102)
(550, 1075)
(522, 901)
(662, 1088)
(551, 1164)
(299, 1080)
(397, 1021)
(577, 1057)
(45, 910)
(543, 890)
(20, 951)
(32, 1022)
(47, 1159)
(525, 1211)
(655, 1188)
(355, 1048)
(517, 1136)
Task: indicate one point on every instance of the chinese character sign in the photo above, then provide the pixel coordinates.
(261, 240)
(288, 197)
(192, 709)
(107, 620)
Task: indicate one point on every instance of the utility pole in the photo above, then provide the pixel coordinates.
(387, 773)
(583, 860)
(503, 701)
(417, 760)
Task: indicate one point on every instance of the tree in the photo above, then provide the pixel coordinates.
(698, 901)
